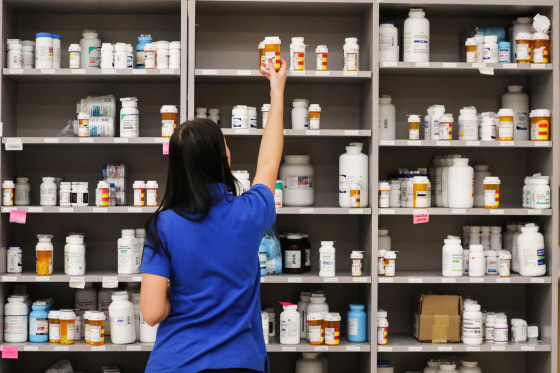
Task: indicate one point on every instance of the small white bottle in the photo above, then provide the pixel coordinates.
(492, 263)
(477, 261)
(107, 56)
(327, 259)
(351, 54)
(74, 52)
(469, 366)
(297, 54)
(491, 51)
(264, 322)
(14, 259)
(129, 119)
(15, 54)
(387, 119)
(121, 56)
(452, 257)
(489, 327)
(300, 114)
(472, 324)
(432, 366)
(416, 37)
(239, 116)
(75, 256)
(290, 324)
(501, 329)
(121, 315)
(382, 327)
(480, 172)
(447, 367)
(140, 234)
(48, 192)
(127, 252)
(496, 238)
(147, 333)
(540, 193)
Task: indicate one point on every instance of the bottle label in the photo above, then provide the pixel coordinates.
(540, 55)
(129, 124)
(390, 268)
(278, 198)
(332, 336)
(96, 334)
(382, 335)
(471, 56)
(542, 199)
(523, 52)
(321, 61)
(351, 60)
(274, 56)
(15, 324)
(262, 261)
(298, 61)
(492, 266)
(380, 266)
(414, 134)
(356, 267)
(316, 333)
(308, 257)
(352, 326)
(505, 267)
(500, 335)
(168, 127)
(491, 198)
(472, 328)
(151, 197)
(489, 333)
(292, 259)
(384, 196)
(421, 199)
(299, 182)
(327, 264)
(289, 328)
(54, 332)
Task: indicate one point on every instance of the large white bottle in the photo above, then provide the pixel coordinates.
(121, 315)
(353, 172)
(416, 37)
(127, 252)
(480, 172)
(290, 325)
(387, 119)
(531, 256)
(515, 99)
(460, 184)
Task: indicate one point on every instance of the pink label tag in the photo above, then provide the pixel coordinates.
(18, 216)
(9, 352)
(420, 217)
(165, 147)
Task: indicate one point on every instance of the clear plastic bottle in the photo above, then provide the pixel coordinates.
(416, 37)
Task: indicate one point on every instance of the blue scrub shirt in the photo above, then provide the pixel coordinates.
(213, 267)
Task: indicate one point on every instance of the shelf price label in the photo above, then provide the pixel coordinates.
(134, 348)
(98, 348)
(13, 144)
(527, 348)
(415, 349)
(330, 279)
(321, 348)
(355, 348)
(497, 212)
(295, 279)
(360, 279)
(387, 280)
(473, 349)
(498, 348)
(384, 349)
(448, 280)
(458, 211)
(472, 143)
(288, 349)
(9, 278)
(77, 282)
(445, 348)
(110, 282)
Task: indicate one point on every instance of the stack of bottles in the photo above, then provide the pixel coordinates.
(416, 40)
(117, 174)
(536, 192)
(451, 364)
(95, 117)
(305, 116)
(130, 247)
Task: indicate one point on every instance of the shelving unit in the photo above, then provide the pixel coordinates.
(219, 58)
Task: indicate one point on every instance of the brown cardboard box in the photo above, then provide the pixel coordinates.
(438, 315)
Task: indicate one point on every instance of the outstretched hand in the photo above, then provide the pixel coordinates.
(277, 78)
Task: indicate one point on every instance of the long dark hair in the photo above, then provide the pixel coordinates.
(197, 157)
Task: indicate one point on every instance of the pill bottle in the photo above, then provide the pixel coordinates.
(477, 261)
(540, 47)
(505, 131)
(357, 323)
(446, 127)
(504, 54)
(297, 54)
(297, 176)
(91, 49)
(520, 25)
(480, 172)
(491, 192)
(102, 194)
(278, 194)
(316, 328)
(357, 259)
(395, 194)
(389, 261)
(15, 54)
(107, 56)
(488, 130)
(121, 56)
(452, 257)
(214, 116)
(388, 42)
(531, 253)
(264, 322)
(460, 184)
(127, 249)
(501, 329)
(294, 254)
(272, 51)
(496, 238)
(327, 259)
(300, 113)
(432, 366)
(162, 54)
(43, 50)
(414, 127)
(518, 331)
(492, 262)
(67, 326)
(129, 119)
(174, 54)
(44, 255)
(470, 45)
(517, 100)
(387, 119)
(54, 326)
(540, 124)
(139, 193)
(420, 197)
(75, 256)
(14, 258)
(384, 191)
(150, 52)
(351, 54)
(321, 52)
(74, 52)
(524, 51)
(8, 188)
(82, 194)
(121, 315)
(505, 263)
(262, 60)
(353, 177)
(251, 116)
(47, 192)
(447, 367)
(468, 124)
(96, 328)
(491, 51)
(416, 37)
(541, 193)
(265, 109)
(28, 54)
(382, 328)
(151, 193)
(168, 120)
(140, 53)
(332, 329)
(83, 124)
(314, 116)
(317, 303)
(290, 325)
(15, 320)
(472, 324)
(39, 323)
(381, 262)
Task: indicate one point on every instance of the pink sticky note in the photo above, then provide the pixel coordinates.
(420, 217)
(9, 352)
(18, 216)
(165, 146)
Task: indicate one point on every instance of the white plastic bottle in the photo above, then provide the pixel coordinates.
(468, 124)
(48, 192)
(387, 119)
(531, 254)
(107, 56)
(447, 367)
(121, 315)
(540, 193)
(299, 114)
(472, 324)
(297, 54)
(469, 366)
(452, 257)
(460, 184)
(515, 249)
(501, 329)
(290, 325)
(480, 172)
(517, 100)
(75, 256)
(22, 195)
(242, 176)
(416, 37)
(327, 259)
(351, 54)
(129, 120)
(309, 363)
(492, 262)
(508, 236)
(436, 115)
(317, 303)
(477, 261)
(136, 307)
(297, 176)
(121, 56)
(127, 252)
(91, 49)
(43, 50)
(147, 333)
(16, 314)
(432, 366)
(388, 42)
(485, 237)
(140, 234)
(496, 238)
(353, 170)
(491, 51)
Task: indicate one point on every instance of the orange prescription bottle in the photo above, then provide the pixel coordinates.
(540, 47)
(54, 327)
(332, 329)
(491, 192)
(168, 120)
(524, 48)
(540, 124)
(420, 192)
(315, 328)
(97, 329)
(262, 60)
(272, 51)
(67, 327)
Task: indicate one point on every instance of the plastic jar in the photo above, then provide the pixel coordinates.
(39, 323)
(540, 193)
(420, 197)
(414, 127)
(332, 329)
(389, 261)
(272, 51)
(150, 53)
(524, 43)
(43, 50)
(126, 257)
(129, 118)
(175, 55)
(289, 325)
(75, 256)
(357, 323)
(470, 45)
(468, 124)
(8, 188)
(121, 314)
(14, 259)
(501, 329)
(322, 52)
(387, 119)
(504, 53)
(395, 194)
(67, 326)
(353, 187)
(297, 177)
(300, 114)
(357, 258)
(151, 193)
(28, 54)
(388, 42)
(107, 56)
(15, 54)
(48, 192)
(139, 188)
(505, 131)
(472, 324)
(447, 367)
(540, 124)
(15, 320)
(491, 51)
(477, 261)
(297, 54)
(540, 47)
(96, 332)
(44, 255)
(54, 326)
(239, 116)
(416, 37)
(91, 49)
(294, 254)
(316, 328)
(314, 116)
(452, 257)
(492, 262)
(162, 54)
(382, 328)
(148, 333)
(460, 184)
(120, 60)
(168, 120)
(488, 131)
(327, 259)
(140, 54)
(351, 50)
(491, 192)
(520, 25)
(531, 253)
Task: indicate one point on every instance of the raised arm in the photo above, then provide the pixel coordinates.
(272, 142)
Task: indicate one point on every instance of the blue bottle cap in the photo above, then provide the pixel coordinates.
(56, 36)
(383, 363)
(357, 307)
(14, 245)
(504, 44)
(44, 35)
(387, 22)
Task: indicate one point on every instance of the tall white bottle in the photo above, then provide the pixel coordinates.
(416, 37)
(460, 184)
(290, 325)
(353, 172)
(387, 119)
(532, 260)
(517, 100)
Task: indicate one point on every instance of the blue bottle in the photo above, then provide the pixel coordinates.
(39, 323)
(140, 55)
(357, 323)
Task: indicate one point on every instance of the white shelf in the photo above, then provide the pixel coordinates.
(322, 211)
(239, 75)
(304, 346)
(464, 144)
(435, 277)
(473, 211)
(299, 133)
(462, 68)
(81, 346)
(85, 140)
(97, 276)
(91, 74)
(314, 278)
(410, 344)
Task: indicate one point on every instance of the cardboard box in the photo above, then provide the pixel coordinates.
(438, 318)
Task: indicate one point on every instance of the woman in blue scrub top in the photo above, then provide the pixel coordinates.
(201, 274)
